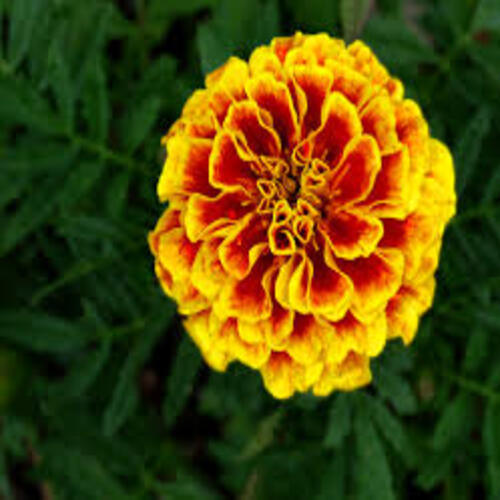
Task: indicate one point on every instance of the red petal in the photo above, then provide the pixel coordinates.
(379, 121)
(352, 234)
(339, 124)
(204, 215)
(274, 97)
(245, 118)
(248, 299)
(228, 169)
(375, 278)
(330, 292)
(244, 245)
(186, 168)
(355, 176)
(315, 81)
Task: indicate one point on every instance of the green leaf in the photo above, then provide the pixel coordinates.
(5, 490)
(23, 17)
(353, 14)
(181, 380)
(96, 102)
(477, 349)
(454, 423)
(392, 430)
(434, 469)
(116, 198)
(40, 332)
(395, 389)
(125, 396)
(373, 475)
(213, 52)
(264, 435)
(491, 440)
(333, 484)
(468, 147)
(78, 473)
(62, 85)
(487, 16)
(22, 105)
(187, 488)
(138, 123)
(339, 422)
(314, 15)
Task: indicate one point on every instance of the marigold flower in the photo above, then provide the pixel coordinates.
(307, 205)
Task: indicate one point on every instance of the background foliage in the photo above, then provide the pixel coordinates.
(101, 396)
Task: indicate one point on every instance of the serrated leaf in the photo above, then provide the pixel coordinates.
(392, 430)
(477, 349)
(339, 421)
(125, 396)
(454, 423)
(373, 474)
(434, 469)
(40, 332)
(491, 440)
(23, 17)
(116, 197)
(353, 14)
(468, 147)
(395, 389)
(181, 380)
(138, 122)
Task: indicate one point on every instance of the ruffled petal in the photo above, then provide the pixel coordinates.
(205, 215)
(277, 375)
(274, 97)
(351, 234)
(243, 246)
(315, 82)
(247, 121)
(207, 272)
(249, 298)
(353, 372)
(379, 120)
(375, 278)
(353, 179)
(306, 341)
(230, 169)
(186, 167)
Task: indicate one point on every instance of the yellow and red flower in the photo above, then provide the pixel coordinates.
(307, 205)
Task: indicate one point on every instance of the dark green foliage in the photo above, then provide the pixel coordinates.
(101, 395)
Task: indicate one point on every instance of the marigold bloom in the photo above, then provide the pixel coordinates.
(307, 204)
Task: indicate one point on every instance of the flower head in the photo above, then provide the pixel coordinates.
(307, 204)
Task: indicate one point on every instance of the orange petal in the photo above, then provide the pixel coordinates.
(355, 176)
(176, 253)
(350, 83)
(281, 241)
(168, 221)
(279, 326)
(186, 167)
(352, 234)
(412, 236)
(324, 47)
(413, 131)
(204, 215)
(299, 286)
(375, 278)
(248, 299)
(264, 60)
(339, 124)
(282, 45)
(306, 341)
(207, 272)
(277, 375)
(330, 291)
(228, 169)
(246, 119)
(315, 82)
(352, 335)
(244, 245)
(389, 196)
(274, 97)
(379, 120)
(353, 372)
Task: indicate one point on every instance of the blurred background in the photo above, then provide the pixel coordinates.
(101, 394)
